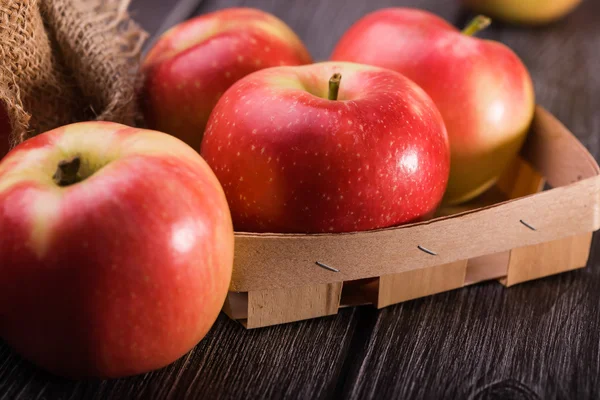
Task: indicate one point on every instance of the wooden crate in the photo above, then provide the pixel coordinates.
(514, 233)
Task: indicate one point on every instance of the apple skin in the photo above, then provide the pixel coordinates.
(529, 12)
(292, 161)
(121, 273)
(481, 87)
(194, 63)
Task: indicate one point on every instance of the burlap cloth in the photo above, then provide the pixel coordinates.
(64, 61)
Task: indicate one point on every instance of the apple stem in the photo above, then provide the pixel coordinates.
(477, 24)
(334, 86)
(67, 172)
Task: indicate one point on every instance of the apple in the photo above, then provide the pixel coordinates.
(328, 147)
(481, 87)
(194, 63)
(116, 249)
(532, 12)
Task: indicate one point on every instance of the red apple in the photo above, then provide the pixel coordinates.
(194, 63)
(292, 156)
(116, 249)
(481, 87)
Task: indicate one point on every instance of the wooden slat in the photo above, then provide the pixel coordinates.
(534, 262)
(422, 282)
(271, 307)
(556, 153)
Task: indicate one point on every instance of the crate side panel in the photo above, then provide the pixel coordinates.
(556, 153)
(550, 258)
(279, 306)
(396, 288)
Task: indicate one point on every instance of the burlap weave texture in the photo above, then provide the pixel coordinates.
(64, 61)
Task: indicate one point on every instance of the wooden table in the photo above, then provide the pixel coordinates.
(536, 340)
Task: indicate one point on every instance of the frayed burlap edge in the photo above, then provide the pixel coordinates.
(64, 61)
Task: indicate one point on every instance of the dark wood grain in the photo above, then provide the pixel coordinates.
(536, 340)
(302, 360)
(540, 339)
